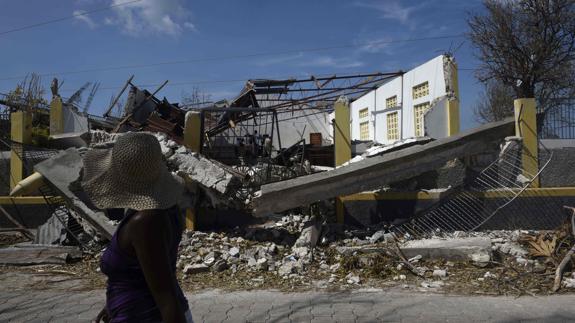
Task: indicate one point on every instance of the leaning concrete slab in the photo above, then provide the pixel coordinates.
(209, 173)
(373, 173)
(449, 249)
(62, 173)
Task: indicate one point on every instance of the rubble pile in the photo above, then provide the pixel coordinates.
(269, 255)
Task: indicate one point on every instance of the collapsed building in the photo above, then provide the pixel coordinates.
(381, 152)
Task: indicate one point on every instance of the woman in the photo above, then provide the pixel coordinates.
(140, 261)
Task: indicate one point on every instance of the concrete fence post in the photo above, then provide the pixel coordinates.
(342, 143)
(342, 129)
(193, 141)
(526, 128)
(193, 131)
(56, 116)
(21, 133)
(452, 102)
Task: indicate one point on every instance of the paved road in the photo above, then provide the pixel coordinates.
(270, 306)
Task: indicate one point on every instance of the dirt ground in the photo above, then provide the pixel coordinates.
(501, 277)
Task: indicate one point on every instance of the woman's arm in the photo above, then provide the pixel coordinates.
(150, 236)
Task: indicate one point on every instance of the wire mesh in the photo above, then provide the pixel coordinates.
(474, 205)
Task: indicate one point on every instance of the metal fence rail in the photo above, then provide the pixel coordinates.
(559, 122)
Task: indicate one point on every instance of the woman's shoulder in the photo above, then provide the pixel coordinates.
(147, 219)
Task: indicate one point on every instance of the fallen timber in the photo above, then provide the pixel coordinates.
(373, 173)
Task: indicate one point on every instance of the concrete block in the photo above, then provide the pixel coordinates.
(450, 249)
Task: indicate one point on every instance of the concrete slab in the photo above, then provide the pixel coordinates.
(449, 249)
(376, 172)
(62, 172)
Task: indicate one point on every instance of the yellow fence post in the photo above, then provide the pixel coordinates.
(342, 144)
(526, 128)
(193, 131)
(56, 116)
(342, 129)
(453, 102)
(193, 141)
(21, 133)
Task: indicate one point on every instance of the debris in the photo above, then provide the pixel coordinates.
(63, 172)
(208, 173)
(567, 258)
(433, 284)
(480, 259)
(542, 246)
(475, 248)
(234, 252)
(309, 235)
(379, 236)
(51, 232)
(375, 172)
(439, 273)
(195, 269)
(287, 268)
(24, 231)
(352, 279)
(30, 254)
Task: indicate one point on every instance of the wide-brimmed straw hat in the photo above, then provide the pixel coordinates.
(131, 175)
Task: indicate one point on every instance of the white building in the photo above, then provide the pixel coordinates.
(423, 101)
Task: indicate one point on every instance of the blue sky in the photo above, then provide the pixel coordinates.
(201, 38)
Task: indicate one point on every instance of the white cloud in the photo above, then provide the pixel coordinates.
(329, 61)
(80, 16)
(168, 17)
(392, 10)
(375, 45)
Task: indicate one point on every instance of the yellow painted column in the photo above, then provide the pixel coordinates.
(453, 103)
(193, 141)
(342, 144)
(191, 218)
(56, 116)
(342, 129)
(193, 131)
(21, 132)
(526, 127)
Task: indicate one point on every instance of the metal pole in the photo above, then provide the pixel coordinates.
(128, 82)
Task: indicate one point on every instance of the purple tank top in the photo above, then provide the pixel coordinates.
(128, 298)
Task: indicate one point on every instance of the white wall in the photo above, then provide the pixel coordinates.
(296, 123)
(431, 71)
(366, 101)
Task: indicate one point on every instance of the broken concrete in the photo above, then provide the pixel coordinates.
(477, 249)
(376, 172)
(309, 235)
(204, 171)
(62, 172)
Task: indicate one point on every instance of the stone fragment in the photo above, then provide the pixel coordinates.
(378, 236)
(195, 269)
(439, 273)
(433, 284)
(352, 279)
(309, 235)
(220, 265)
(449, 249)
(234, 252)
(287, 268)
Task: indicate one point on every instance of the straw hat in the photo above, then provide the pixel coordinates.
(131, 175)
